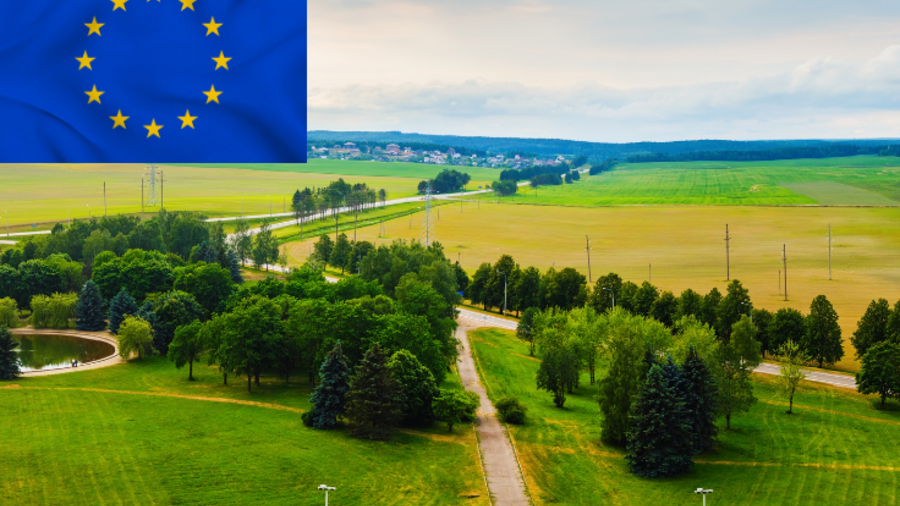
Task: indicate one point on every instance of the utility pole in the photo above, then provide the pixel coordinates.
(588, 249)
(104, 199)
(829, 252)
(727, 254)
(784, 261)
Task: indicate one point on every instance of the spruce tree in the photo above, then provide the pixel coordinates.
(374, 403)
(9, 359)
(120, 306)
(89, 314)
(234, 267)
(659, 438)
(699, 397)
(418, 388)
(329, 399)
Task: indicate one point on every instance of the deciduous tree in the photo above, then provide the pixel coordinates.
(135, 336)
(792, 372)
(417, 386)
(454, 407)
(186, 346)
(880, 372)
(734, 368)
(872, 327)
(822, 340)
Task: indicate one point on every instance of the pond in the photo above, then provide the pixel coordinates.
(43, 352)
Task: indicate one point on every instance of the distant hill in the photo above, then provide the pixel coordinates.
(542, 147)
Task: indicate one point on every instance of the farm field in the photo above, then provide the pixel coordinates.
(682, 247)
(832, 451)
(122, 435)
(854, 181)
(46, 193)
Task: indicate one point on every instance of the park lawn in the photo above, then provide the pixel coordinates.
(683, 246)
(117, 436)
(862, 180)
(837, 449)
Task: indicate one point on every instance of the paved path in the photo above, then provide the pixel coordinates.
(837, 380)
(105, 337)
(501, 466)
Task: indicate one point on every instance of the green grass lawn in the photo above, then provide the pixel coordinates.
(93, 437)
(837, 449)
(863, 180)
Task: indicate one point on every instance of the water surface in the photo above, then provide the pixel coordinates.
(44, 352)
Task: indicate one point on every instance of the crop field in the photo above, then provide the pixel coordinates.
(139, 433)
(834, 450)
(34, 194)
(854, 181)
(679, 247)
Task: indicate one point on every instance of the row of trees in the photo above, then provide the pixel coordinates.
(447, 181)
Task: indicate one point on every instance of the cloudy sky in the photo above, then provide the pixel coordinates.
(602, 70)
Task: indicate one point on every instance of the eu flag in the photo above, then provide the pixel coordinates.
(152, 81)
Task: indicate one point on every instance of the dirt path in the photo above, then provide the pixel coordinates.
(501, 467)
(105, 337)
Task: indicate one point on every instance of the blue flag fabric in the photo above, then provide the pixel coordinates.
(153, 81)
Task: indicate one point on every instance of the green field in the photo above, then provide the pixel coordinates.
(685, 246)
(837, 449)
(46, 193)
(872, 181)
(121, 435)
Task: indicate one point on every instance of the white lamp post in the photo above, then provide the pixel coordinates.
(700, 490)
(610, 290)
(326, 488)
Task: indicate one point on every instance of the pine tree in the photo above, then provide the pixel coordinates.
(418, 388)
(329, 399)
(120, 306)
(234, 267)
(699, 395)
(659, 438)
(9, 359)
(89, 314)
(374, 403)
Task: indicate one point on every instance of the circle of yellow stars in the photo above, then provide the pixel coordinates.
(153, 129)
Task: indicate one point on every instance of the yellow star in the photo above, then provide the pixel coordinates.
(119, 4)
(212, 27)
(187, 120)
(94, 27)
(95, 95)
(212, 95)
(85, 61)
(119, 120)
(221, 61)
(187, 4)
(153, 129)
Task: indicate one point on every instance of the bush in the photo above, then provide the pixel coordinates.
(9, 313)
(455, 407)
(511, 410)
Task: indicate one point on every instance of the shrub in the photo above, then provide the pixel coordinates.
(511, 410)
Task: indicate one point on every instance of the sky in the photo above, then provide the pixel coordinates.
(607, 71)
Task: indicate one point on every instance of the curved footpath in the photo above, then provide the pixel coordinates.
(105, 337)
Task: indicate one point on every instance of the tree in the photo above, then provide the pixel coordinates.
(872, 327)
(9, 359)
(186, 346)
(170, 311)
(265, 246)
(135, 336)
(374, 404)
(605, 289)
(527, 289)
(89, 313)
(511, 410)
(9, 312)
(249, 333)
(504, 188)
(823, 334)
(644, 298)
(665, 308)
(478, 287)
(880, 371)
(242, 241)
(792, 371)
(120, 306)
(209, 283)
(454, 407)
(341, 252)
(733, 306)
(734, 368)
(330, 397)
(710, 308)
(565, 289)
(659, 437)
(557, 373)
(417, 386)
(587, 334)
(690, 303)
(700, 397)
(762, 318)
(323, 247)
(525, 328)
(787, 325)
